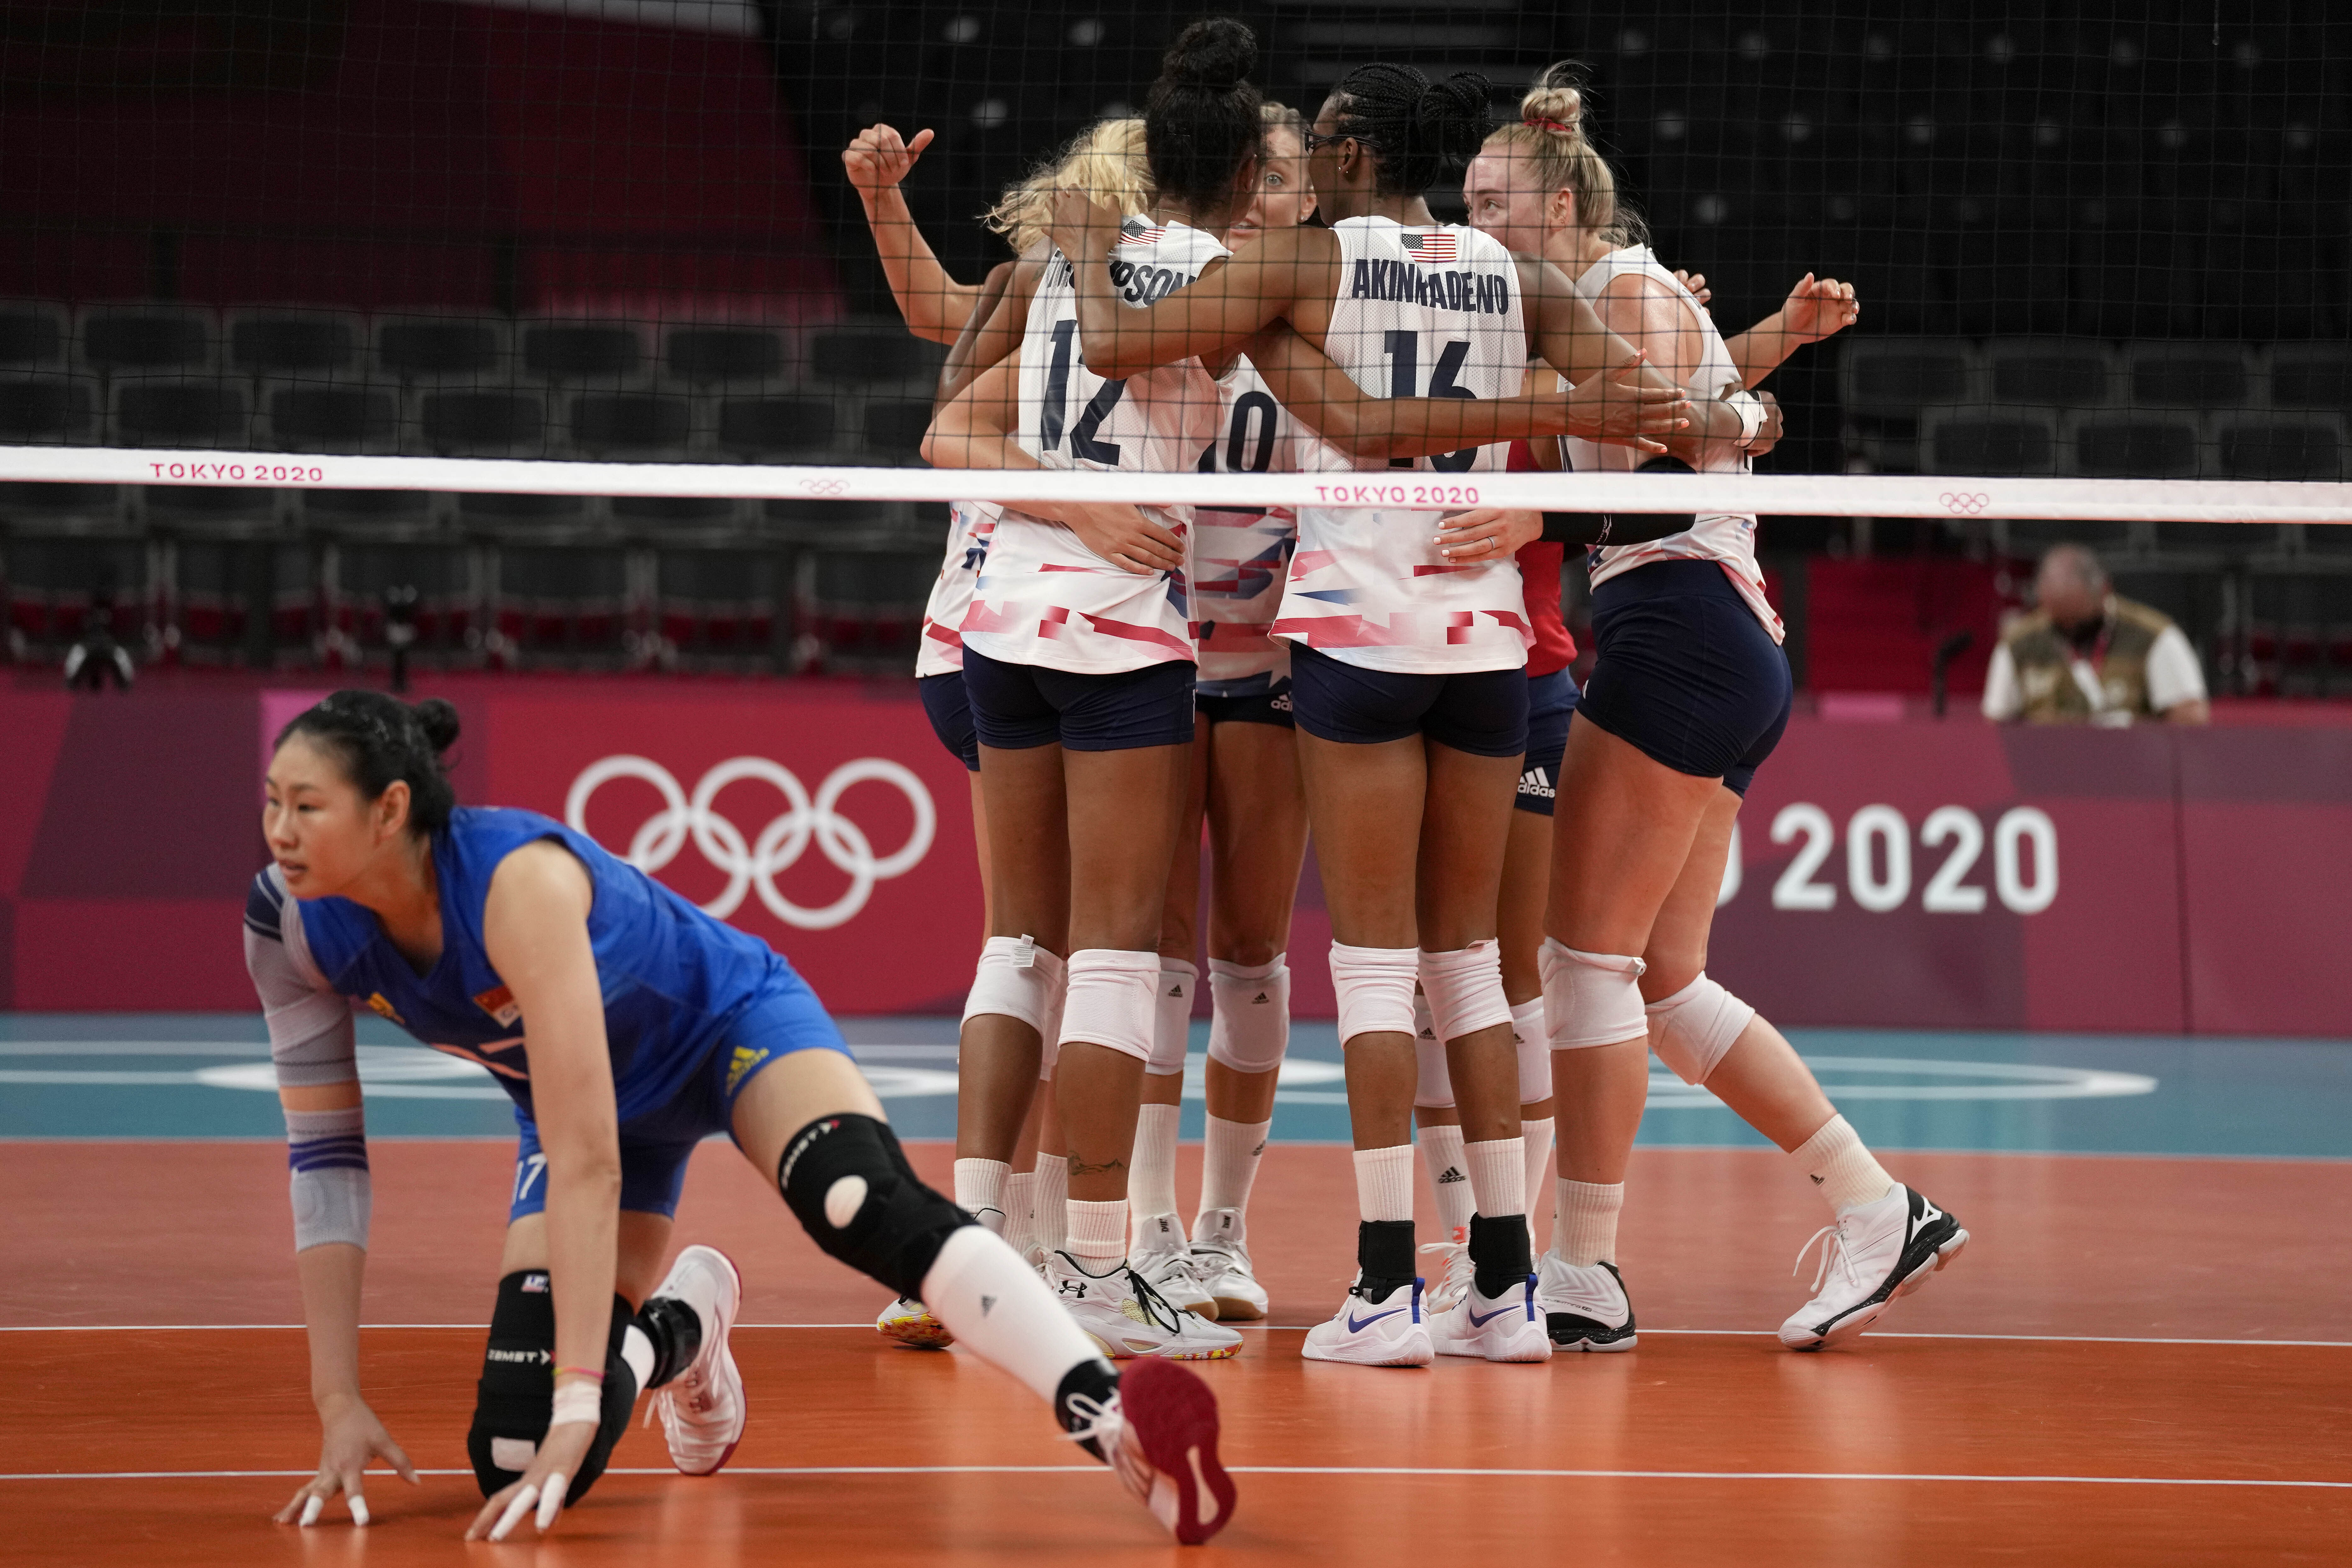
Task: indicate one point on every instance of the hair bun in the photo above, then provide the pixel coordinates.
(1556, 101)
(1217, 53)
(1451, 115)
(438, 720)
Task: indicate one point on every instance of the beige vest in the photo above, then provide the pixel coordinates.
(2045, 661)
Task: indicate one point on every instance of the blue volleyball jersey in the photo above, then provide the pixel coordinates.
(673, 977)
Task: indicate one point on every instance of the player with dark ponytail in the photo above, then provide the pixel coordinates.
(627, 1026)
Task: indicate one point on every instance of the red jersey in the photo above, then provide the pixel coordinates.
(1539, 568)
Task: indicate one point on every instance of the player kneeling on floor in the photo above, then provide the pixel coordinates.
(627, 1026)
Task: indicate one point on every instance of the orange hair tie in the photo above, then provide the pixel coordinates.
(1550, 125)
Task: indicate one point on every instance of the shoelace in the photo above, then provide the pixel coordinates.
(1162, 1312)
(1834, 1251)
(1450, 1289)
(1103, 1421)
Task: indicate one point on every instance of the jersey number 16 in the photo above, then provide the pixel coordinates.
(1404, 348)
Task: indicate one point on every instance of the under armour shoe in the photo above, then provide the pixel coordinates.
(1453, 1278)
(1162, 1256)
(1221, 1260)
(910, 1323)
(1159, 1434)
(1509, 1327)
(1584, 1308)
(1127, 1315)
(1386, 1332)
(702, 1408)
(1875, 1253)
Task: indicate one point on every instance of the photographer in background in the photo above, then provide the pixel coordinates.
(2086, 656)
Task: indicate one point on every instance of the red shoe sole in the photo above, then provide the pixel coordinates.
(1174, 1417)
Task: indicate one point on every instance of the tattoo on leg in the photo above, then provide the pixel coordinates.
(1080, 1168)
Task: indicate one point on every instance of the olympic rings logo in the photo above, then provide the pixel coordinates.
(825, 487)
(754, 863)
(1963, 504)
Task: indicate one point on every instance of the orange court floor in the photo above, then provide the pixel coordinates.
(2138, 1360)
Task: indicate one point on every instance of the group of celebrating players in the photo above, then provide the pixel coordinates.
(1519, 905)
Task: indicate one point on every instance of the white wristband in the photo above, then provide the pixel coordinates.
(578, 1400)
(1751, 409)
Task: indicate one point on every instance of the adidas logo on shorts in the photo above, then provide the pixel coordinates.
(1533, 782)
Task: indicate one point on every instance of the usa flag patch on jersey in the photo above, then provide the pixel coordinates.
(1136, 231)
(1431, 250)
(499, 1004)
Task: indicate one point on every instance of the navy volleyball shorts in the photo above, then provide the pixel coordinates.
(1552, 702)
(950, 715)
(1482, 712)
(1271, 706)
(1683, 671)
(1017, 706)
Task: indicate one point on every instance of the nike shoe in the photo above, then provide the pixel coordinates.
(702, 1408)
(1509, 1327)
(1163, 1255)
(1127, 1315)
(1584, 1308)
(910, 1323)
(1221, 1260)
(1159, 1434)
(1454, 1273)
(1876, 1252)
(1388, 1332)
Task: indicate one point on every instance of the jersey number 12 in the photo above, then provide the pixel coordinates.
(1056, 402)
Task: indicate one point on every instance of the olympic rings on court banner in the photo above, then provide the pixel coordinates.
(754, 863)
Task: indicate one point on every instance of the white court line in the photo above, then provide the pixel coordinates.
(1273, 1327)
(1432, 1471)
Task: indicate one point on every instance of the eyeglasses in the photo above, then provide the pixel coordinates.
(1310, 140)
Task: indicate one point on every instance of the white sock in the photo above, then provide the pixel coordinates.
(1537, 1132)
(1053, 1202)
(1229, 1159)
(999, 1308)
(979, 1190)
(1151, 1179)
(1440, 1149)
(1499, 1175)
(1584, 1221)
(1384, 1184)
(1845, 1171)
(1021, 1211)
(637, 1351)
(1098, 1234)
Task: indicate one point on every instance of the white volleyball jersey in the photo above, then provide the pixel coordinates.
(1422, 313)
(1240, 556)
(1729, 539)
(972, 524)
(1042, 598)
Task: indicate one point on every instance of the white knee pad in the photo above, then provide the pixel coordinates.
(1465, 988)
(1374, 985)
(1016, 978)
(1534, 1044)
(1172, 1022)
(1691, 1029)
(1432, 1088)
(1591, 998)
(1251, 1002)
(1053, 1031)
(1111, 1000)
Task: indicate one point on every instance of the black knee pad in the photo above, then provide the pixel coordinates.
(517, 1391)
(849, 1181)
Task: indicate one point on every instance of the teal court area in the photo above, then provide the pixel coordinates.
(167, 1075)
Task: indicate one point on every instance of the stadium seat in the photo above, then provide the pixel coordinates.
(567, 604)
(666, 520)
(860, 610)
(526, 514)
(895, 427)
(2317, 378)
(630, 423)
(575, 351)
(115, 340)
(253, 601)
(2053, 373)
(312, 417)
(856, 357)
(759, 427)
(719, 608)
(708, 356)
(216, 512)
(170, 413)
(2281, 447)
(483, 424)
(1896, 378)
(369, 514)
(443, 616)
(279, 342)
(428, 348)
(2206, 376)
(33, 335)
(48, 408)
(55, 579)
(2010, 442)
(2132, 447)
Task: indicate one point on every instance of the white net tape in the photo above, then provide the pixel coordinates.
(1767, 495)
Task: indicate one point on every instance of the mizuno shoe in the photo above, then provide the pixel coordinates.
(1454, 1275)
(1163, 1255)
(1509, 1327)
(910, 1323)
(1159, 1434)
(1222, 1261)
(1876, 1252)
(1386, 1332)
(1127, 1317)
(702, 1408)
(1584, 1308)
